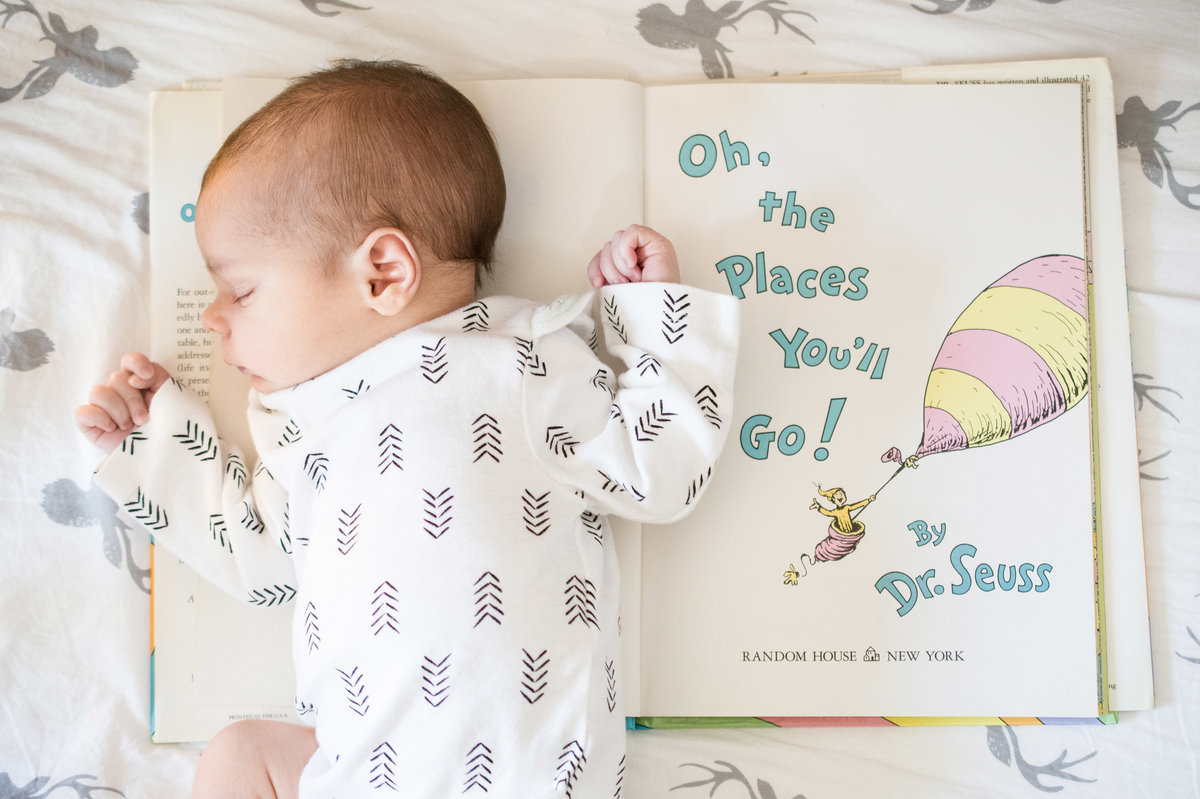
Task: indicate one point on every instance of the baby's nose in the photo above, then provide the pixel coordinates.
(212, 320)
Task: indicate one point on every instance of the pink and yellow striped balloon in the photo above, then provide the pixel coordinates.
(1016, 358)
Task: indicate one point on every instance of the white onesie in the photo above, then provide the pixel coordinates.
(435, 509)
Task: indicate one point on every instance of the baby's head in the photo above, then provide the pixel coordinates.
(361, 200)
(366, 145)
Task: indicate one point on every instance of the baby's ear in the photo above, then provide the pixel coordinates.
(390, 269)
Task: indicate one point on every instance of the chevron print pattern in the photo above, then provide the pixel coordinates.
(560, 441)
(674, 317)
(479, 769)
(218, 531)
(357, 698)
(570, 764)
(706, 399)
(385, 604)
(489, 599)
(534, 675)
(383, 767)
(652, 422)
(610, 678)
(348, 528)
(290, 435)
(130, 442)
(581, 602)
(316, 466)
(434, 366)
(235, 470)
(486, 431)
(648, 364)
(535, 512)
(476, 318)
(613, 315)
(357, 391)
(312, 628)
(251, 520)
(272, 595)
(438, 512)
(697, 486)
(612, 486)
(528, 362)
(197, 441)
(435, 680)
(151, 516)
(593, 526)
(391, 449)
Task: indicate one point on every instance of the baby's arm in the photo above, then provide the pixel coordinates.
(116, 407)
(191, 491)
(639, 443)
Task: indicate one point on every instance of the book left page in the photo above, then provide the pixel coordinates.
(200, 637)
(571, 151)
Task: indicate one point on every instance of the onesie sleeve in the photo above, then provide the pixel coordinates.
(637, 439)
(197, 497)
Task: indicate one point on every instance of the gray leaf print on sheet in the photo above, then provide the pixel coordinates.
(1138, 126)
(22, 350)
(75, 52)
(700, 26)
(950, 6)
(1002, 743)
(68, 504)
(40, 787)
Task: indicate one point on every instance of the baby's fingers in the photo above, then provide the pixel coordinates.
(143, 373)
(110, 399)
(93, 421)
(623, 247)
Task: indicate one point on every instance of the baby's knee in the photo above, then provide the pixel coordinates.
(253, 760)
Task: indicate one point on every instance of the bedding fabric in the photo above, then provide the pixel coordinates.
(75, 80)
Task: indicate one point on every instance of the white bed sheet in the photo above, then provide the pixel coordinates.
(75, 78)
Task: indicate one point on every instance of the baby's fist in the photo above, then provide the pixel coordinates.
(116, 407)
(637, 254)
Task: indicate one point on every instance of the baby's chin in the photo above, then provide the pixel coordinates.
(262, 385)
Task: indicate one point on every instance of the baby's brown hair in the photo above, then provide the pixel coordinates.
(364, 145)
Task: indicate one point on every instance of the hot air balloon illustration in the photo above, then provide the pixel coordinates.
(1016, 358)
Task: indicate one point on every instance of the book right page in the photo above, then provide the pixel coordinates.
(901, 524)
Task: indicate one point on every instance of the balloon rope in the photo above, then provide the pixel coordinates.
(885, 483)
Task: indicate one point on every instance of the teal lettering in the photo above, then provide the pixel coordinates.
(707, 162)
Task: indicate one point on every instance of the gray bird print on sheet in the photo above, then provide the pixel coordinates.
(75, 52)
(1003, 744)
(315, 7)
(1138, 126)
(22, 350)
(1144, 392)
(950, 6)
(700, 26)
(41, 788)
(68, 504)
(727, 773)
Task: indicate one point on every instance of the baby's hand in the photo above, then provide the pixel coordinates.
(637, 254)
(116, 407)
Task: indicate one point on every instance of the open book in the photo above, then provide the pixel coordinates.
(928, 506)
